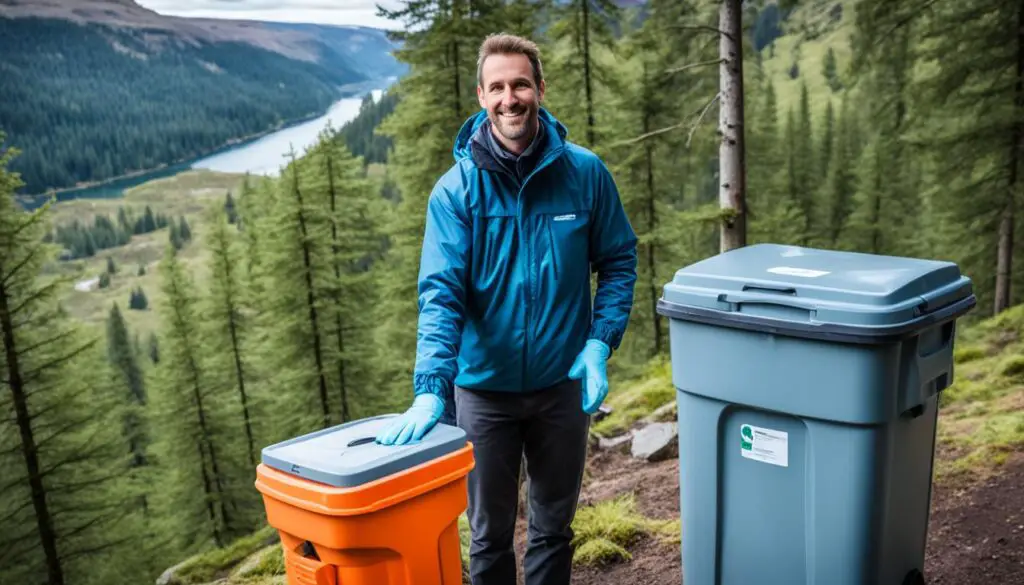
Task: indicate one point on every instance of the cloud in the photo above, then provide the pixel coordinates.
(345, 12)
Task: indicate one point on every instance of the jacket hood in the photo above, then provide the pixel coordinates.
(556, 134)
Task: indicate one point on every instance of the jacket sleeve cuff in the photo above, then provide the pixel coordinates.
(611, 336)
(431, 384)
(440, 387)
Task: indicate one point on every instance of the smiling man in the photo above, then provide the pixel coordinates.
(508, 338)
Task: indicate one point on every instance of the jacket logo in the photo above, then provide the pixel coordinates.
(566, 217)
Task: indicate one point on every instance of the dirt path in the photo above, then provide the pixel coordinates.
(976, 534)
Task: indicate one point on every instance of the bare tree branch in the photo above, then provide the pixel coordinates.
(705, 28)
(910, 16)
(17, 267)
(696, 125)
(694, 65)
(649, 134)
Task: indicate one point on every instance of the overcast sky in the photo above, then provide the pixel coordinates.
(356, 12)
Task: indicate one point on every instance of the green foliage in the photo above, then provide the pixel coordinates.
(140, 86)
(138, 301)
(62, 465)
(830, 71)
(360, 134)
(603, 531)
(209, 566)
(83, 241)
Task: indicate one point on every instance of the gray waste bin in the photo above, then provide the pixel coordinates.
(807, 385)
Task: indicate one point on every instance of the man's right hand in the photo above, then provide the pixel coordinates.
(411, 425)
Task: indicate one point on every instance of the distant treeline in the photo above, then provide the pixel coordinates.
(83, 240)
(360, 134)
(86, 102)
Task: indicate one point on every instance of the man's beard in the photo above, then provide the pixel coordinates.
(517, 129)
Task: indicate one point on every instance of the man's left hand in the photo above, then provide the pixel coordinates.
(591, 362)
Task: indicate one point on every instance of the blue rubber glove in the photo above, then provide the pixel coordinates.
(411, 425)
(591, 362)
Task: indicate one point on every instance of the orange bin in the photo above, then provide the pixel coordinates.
(353, 512)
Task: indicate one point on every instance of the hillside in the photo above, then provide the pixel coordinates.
(96, 89)
(627, 523)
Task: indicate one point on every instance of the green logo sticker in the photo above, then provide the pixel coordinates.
(746, 437)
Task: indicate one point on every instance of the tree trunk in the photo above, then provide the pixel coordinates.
(337, 275)
(586, 73)
(208, 491)
(207, 435)
(1004, 261)
(457, 94)
(652, 224)
(239, 370)
(732, 192)
(310, 300)
(44, 520)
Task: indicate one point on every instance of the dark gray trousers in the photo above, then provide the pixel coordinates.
(550, 428)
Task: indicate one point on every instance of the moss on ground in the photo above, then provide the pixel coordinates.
(981, 420)
(605, 530)
(218, 563)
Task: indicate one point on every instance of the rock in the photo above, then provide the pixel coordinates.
(621, 442)
(656, 442)
(169, 577)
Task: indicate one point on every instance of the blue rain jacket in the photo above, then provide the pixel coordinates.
(504, 284)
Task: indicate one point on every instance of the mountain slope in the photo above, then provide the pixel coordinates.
(96, 89)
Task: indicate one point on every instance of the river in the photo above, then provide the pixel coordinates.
(262, 156)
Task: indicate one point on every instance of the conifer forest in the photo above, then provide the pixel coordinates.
(124, 450)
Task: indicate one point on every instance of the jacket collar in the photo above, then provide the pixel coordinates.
(467, 145)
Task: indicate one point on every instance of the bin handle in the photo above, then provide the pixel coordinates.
(738, 298)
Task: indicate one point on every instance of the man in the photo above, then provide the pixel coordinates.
(506, 326)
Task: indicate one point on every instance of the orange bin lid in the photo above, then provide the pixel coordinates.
(342, 470)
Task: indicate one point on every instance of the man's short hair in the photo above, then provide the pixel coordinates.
(505, 44)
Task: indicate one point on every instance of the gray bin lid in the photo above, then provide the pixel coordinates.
(824, 294)
(347, 455)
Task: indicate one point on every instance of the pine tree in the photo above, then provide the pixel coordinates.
(60, 462)
(296, 262)
(840, 183)
(227, 327)
(886, 216)
(204, 476)
(775, 215)
(581, 36)
(355, 214)
(123, 359)
(976, 156)
(657, 77)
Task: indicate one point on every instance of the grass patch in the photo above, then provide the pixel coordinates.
(637, 399)
(605, 530)
(969, 353)
(269, 563)
(188, 194)
(981, 421)
(211, 565)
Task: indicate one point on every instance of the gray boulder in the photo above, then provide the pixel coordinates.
(656, 442)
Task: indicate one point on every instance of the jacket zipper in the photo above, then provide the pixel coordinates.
(528, 293)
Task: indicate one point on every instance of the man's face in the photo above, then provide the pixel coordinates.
(509, 94)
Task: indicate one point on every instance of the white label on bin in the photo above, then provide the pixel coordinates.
(791, 271)
(764, 445)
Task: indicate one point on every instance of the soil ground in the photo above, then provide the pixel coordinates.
(976, 533)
